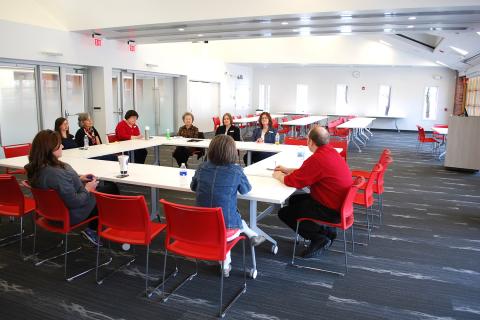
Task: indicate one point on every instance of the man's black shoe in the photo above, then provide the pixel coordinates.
(316, 248)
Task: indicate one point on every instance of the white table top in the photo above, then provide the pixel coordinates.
(439, 130)
(356, 123)
(385, 117)
(296, 113)
(265, 189)
(304, 121)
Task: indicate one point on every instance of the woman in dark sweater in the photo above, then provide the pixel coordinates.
(228, 128)
(85, 123)
(62, 127)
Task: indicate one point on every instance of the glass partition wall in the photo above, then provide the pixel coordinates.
(33, 96)
(151, 95)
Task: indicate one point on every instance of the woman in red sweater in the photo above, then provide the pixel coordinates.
(128, 130)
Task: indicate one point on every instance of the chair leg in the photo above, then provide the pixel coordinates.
(220, 311)
(345, 249)
(353, 241)
(295, 243)
(146, 270)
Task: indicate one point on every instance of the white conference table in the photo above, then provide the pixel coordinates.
(304, 121)
(392, 117)
(255, 118)
(358, 125)
(264, 188)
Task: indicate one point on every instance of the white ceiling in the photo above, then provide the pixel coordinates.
(424, 28)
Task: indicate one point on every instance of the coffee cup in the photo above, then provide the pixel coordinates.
(123, 162)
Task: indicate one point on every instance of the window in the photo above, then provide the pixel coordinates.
(342, 99)
(472, 100)
(302, 98)
(264, 97)
(384, 99)
(430, 102)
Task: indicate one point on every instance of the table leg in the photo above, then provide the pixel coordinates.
(396, 127)
(249, 157)
(156, 150)
(154, 202)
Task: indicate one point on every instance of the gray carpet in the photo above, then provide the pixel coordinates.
(422, 263)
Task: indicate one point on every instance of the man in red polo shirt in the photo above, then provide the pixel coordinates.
(329, 179)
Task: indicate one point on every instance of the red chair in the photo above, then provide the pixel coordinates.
(125, 219)
(378, 186)
(364, 197)
(13, 203)
(340, 144)
(422, 139)
(285, 129)
(216, 123)
(199, 233)
(438, 136)
(295, 141)
(112, 137)
(52, 215)
(346, 222)
(16, 150)
(240, 125)
(275, 123)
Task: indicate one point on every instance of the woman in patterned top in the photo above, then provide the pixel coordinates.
(188, 130)
(85, 123)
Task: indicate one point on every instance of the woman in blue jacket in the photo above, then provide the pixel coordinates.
(265, 133)
(217, 182)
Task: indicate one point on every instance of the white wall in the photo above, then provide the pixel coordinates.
(26, 42)
(408, 85)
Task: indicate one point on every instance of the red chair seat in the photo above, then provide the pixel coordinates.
(231, 232)
(360, 200)
(13, 211)
(201, 252)
(132, 237)
(57, 226)
(430, 140)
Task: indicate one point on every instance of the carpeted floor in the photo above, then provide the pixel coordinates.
(422, 263)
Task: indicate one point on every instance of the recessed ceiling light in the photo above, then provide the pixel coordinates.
(438, 29)
(180, 29)
(461, 51)
(200, 35)
(346, 16)
(412, 18)
(305, 31)
(388, 13)
(385, 43)
(267, 34)
(284, 23)
(387, 30)
(346, 29)
(410, 27)
(295, 30)
(478, 33)
(305, 19)
(441, 63)
(266, 21)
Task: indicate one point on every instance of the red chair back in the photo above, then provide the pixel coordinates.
(196, 226)
(275, 123)
(378, 187)
(216, 123)
(340, 144)
(421, 133)
(16, 150)
(295, 141)
(250, 115)
(346, 211)
(12, 200)
(368, 192)
(50, 206)
(126, 213)
(112, 137)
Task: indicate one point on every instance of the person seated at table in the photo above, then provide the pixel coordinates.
(329, 179)
(62, 127)
(128, 129)
(85, 123)
(229, 128)
(188, 130)
(265, 133)
(46, 171)
(217, 182)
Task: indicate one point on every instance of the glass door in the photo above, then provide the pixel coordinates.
(19, 120)
(127, 92)
(165, 101)
(50, 96)
(74, 98)
(116, 100)
(145, 102)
